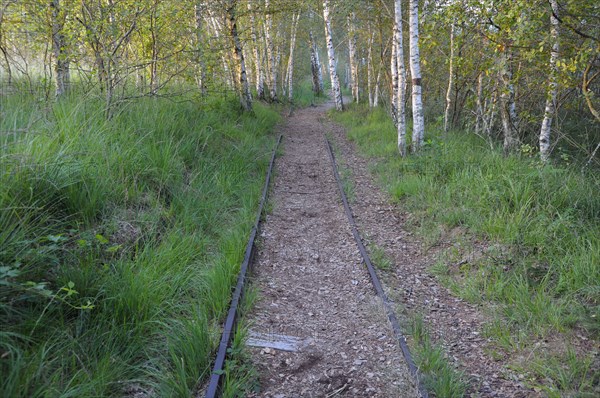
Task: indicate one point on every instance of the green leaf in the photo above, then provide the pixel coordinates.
(101, 239)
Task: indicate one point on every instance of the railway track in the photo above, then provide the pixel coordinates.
(216, 375)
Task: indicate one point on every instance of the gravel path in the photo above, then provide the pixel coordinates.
(314, 288)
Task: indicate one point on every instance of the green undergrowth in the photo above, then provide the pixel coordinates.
(120, 240)
(439, 375)
(526, 236)
(304, 95)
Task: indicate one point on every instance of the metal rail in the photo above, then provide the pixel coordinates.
(214, 386)
(375, 280)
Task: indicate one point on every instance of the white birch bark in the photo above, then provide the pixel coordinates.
(370, 68)
(508, 108)
(377, 89)
(199, 17)
(335, 81)
(400, 94)
(450, 89)
(545, 131)
(240, 67)
(479, 99)
(270, 53)
(395, 80)
(258, 70)
(352, 57)
(415, 71)
(315, 67)
(290, 68)
(61, 66)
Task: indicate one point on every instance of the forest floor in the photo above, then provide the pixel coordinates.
(315, 292)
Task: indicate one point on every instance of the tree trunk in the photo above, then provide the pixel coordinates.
(395, 78)
(290, 69)
(270, 53)
(399, 94)
(508, 107)
(154, 60)
(335, 81)
(259, 71)
(552, 87)
(315, 66)
(352, 56)
(450, 89)
(370, 68)
(479, 99)
(238, 56)
(61, 66)
(415, 71)
(201, 76)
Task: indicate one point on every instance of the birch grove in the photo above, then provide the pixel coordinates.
(472, 67)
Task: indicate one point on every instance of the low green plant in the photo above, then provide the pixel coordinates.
(379, 258)
(440, 377)
(120, 240)
(544, 218)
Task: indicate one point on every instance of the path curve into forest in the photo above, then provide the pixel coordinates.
(315, 294)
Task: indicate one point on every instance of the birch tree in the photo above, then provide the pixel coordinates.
(199, 9)
(450, 89)
(415, 71)
(270, 52)
(352, 56)
(241, 81)
(315, 66)
(335, 81)
(290, 68)
(399, 88)
(258, 69)
(552, 85)
(59, 46)
(508, 111)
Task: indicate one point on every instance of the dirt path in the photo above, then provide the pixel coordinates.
(314, 289)
(452, 322)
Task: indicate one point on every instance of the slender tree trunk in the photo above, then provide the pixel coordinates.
(270, 53)
(488, 123)
(479, 99)
(290, 69)
(154, 60)
(377, 89)
(370, 68)
(259, 71)
(401, 89)
(395, 78)
(335, 81)
(450, 89)
(545, 131)
(201, 76)
(352, 56)
(508, 108)
(238, 55)
(61, 66)
(315, 66)
(415, 71)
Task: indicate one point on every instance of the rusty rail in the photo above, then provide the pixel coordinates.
(376, 282)
(214, 386)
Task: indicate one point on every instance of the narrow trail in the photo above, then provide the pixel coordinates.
(316, 300)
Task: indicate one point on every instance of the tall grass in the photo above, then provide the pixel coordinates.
(120, 239)
(541, 222)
